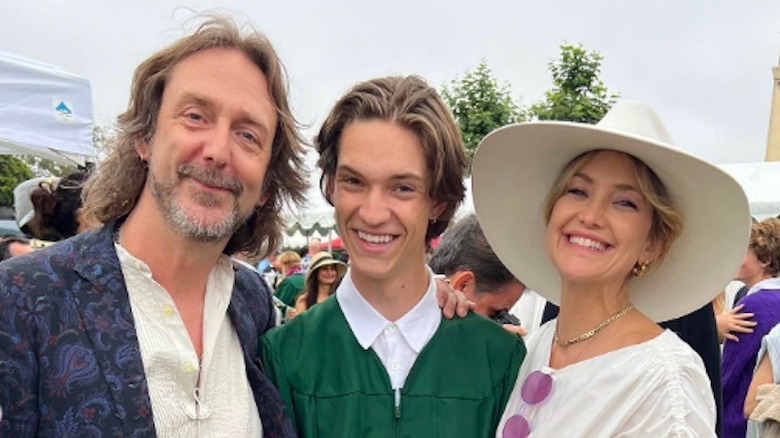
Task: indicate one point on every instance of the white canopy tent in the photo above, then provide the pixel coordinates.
(44, 111)
(304, 225)
(315, 219)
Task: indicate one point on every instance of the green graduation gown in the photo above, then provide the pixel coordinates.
(290, 288)
(332, 387)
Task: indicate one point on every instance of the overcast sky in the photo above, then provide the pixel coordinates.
(706, 66)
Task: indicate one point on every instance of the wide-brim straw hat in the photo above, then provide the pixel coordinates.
(324, 258)
(516, 166)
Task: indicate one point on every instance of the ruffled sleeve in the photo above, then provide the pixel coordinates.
(680, 403)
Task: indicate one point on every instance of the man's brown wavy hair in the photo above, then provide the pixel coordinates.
(113, 190)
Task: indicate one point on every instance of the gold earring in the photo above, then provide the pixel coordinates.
(639, 269)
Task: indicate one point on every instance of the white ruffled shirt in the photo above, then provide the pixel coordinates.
(191, 398)
(658, 388)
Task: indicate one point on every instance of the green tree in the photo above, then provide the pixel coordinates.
(578, 95)
(13, 171)
(480, 104)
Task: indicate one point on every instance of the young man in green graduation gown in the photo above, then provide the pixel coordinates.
(377, 359)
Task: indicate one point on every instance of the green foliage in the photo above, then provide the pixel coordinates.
(13, 171)
(578, 95)
(480, 105)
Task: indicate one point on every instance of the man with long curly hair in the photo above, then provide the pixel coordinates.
(146, 327)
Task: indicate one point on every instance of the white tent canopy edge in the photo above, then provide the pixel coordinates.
(44, 111)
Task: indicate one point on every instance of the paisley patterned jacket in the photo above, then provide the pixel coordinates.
(70, 364)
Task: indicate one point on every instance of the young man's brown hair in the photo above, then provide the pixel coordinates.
(409, 102)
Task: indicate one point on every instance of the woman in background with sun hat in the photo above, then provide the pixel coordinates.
(322, 278)
(621, 230)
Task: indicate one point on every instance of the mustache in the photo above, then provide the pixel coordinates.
(211, 177)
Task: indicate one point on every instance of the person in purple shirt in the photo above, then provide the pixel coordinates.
(758, 271)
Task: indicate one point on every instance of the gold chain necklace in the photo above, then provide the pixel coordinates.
(590, 333)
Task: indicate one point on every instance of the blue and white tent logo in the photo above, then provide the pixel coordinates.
(63, 111)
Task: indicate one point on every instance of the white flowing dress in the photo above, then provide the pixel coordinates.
(658, 388)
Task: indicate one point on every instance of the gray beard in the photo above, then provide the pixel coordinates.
(187, 224)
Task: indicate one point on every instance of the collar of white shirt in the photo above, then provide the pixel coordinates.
(417, 325)
(768, 284)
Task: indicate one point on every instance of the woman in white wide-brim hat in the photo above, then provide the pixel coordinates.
(621, 230)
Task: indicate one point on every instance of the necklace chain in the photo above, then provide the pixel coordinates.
(592, 332)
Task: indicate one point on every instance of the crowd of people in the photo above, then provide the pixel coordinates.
(153, 317)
